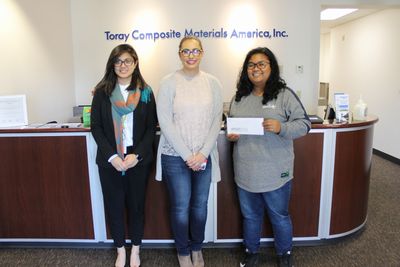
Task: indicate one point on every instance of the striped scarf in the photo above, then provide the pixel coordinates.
(119, 108)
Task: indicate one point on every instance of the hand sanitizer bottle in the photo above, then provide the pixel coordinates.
(360, 110)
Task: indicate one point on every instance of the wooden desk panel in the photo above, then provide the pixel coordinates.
(306, 190)
(229, 218)
(44, 188)
(351, 180)
(157, 223)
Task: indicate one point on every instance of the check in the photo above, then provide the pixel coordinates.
(250, 126)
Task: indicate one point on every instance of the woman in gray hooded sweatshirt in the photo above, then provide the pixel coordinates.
(263, 164)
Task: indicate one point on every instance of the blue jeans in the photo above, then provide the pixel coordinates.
(277, 205)
(188, 194)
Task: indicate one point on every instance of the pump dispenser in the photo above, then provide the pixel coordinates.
(360, 110)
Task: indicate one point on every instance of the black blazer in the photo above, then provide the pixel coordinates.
(144, 129)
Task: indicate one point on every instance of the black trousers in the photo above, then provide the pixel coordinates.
(120, 192)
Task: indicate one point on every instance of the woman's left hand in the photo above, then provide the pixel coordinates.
(195, 161)
(130, 161)
(272, 125)
(233, 137)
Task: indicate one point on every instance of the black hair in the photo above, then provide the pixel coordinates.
(108, 82)
(274, 83)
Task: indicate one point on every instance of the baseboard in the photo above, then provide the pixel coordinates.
(386, 156)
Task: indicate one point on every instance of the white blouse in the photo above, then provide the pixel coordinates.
(127, 134)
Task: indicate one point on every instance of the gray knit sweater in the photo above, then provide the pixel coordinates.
(265, 163)
(186, 126)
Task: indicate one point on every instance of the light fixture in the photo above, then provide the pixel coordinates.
(335, 13)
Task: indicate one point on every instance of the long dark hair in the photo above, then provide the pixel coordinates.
(274, 83)
(107, 84)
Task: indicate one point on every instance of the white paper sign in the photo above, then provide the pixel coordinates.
(342, 107)
(13, 111)
(250, 126)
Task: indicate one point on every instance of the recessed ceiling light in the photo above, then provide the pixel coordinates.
(335, 13)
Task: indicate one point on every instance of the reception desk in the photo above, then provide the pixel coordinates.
(50, 191)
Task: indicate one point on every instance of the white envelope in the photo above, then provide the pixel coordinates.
(249, 126)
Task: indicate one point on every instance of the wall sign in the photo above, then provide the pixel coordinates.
(222, 33)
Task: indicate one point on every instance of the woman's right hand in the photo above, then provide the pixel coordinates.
(118, 164)
(233, 137)
(194, 162)
(130, 161)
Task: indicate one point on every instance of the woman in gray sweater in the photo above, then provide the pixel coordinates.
(263, 164)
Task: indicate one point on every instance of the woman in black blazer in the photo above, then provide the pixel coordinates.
(123, 123)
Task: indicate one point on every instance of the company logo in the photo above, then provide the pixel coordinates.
(222, 33)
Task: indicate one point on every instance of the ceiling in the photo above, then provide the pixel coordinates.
(327, 25)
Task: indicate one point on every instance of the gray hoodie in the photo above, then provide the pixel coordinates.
(264, 163)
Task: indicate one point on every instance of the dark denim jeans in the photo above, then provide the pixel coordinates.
(188, 194)
(276, 203)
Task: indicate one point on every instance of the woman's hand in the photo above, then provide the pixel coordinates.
(272, 125)
(233, 137)
(130, 161)
(194, 162)
(118, 164)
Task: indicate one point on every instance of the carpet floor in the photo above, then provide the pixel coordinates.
(376, 245)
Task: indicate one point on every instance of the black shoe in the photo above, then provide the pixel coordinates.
(285, 260)
(250, 260)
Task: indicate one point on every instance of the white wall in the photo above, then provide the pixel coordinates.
(364, 60)
(324, 57)
(36, 56)
(55, 51)
(223, 57)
